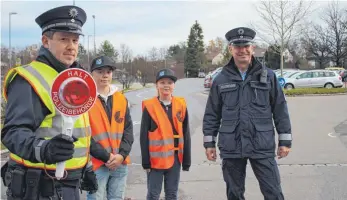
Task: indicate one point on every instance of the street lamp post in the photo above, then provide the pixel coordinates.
(94, 36)
(9, 37)
(73, 2)
(88, 50)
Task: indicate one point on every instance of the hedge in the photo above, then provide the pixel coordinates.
(305, 91)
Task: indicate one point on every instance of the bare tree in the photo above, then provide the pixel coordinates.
(125, 54)
(153, 57)
(163, 53)
(153, 54)
(126, 74)
(316, 43)
(281, 20)
(336, 30)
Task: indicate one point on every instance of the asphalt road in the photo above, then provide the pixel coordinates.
(316, 168)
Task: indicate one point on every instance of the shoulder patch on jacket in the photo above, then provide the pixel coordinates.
(118, 118)
(179, 116)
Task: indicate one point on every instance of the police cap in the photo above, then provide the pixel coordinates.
(241, 36)
(63, 19)
(166, 73)
(102, 61)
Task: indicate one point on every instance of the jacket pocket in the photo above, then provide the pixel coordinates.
(261, 93)
(264, 136)
(230, 94)
(226, 139)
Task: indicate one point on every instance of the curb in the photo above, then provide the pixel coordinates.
(303, 95)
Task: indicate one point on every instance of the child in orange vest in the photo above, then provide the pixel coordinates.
(165, 138)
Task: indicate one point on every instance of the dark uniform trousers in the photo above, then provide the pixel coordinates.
(68, 193)
(171, 180)
(265, 170)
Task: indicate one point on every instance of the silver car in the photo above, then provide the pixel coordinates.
(313, 79)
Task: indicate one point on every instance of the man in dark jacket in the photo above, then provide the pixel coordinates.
(244, 100)
(28, 120)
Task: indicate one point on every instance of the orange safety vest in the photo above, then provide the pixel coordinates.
(106, 134)
(161, 140)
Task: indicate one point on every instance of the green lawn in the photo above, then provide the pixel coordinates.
(303, 91)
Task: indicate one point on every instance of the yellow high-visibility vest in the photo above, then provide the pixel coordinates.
(41, 77)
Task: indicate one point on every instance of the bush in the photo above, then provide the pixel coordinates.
(303, 91)
(3, 107)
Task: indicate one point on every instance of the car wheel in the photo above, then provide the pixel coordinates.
(329, 85)
(289, 86)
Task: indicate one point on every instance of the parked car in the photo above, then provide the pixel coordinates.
(286, 72)
(209, 78)
(334, 68)
(314, 79)
(343, 74)
(201, 75)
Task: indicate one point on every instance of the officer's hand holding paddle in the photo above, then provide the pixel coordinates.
(59, 148)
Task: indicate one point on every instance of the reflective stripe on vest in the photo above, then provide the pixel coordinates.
(108, 135)
(161, 141)
(41, 77)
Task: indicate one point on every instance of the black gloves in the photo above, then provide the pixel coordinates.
(59, 148)
(89, 182)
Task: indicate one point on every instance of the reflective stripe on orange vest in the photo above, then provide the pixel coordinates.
(108, 135)
(161, 141)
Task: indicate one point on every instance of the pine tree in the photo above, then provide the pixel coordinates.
(107, 49)
(195, 57)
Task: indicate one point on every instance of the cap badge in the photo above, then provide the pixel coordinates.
(73, 13)
(98, 61)
(162, 73)
(241, 31)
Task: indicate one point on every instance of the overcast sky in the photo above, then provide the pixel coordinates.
(139, 24)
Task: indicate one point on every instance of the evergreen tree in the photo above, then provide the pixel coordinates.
(195, 57)
(107, 49)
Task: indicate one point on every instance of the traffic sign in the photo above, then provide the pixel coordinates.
(73, 93)
(281, 81)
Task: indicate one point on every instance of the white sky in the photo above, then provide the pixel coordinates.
(139, 24)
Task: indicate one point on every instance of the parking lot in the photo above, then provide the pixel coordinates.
(315, 169)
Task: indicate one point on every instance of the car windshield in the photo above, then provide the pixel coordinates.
(291, 75)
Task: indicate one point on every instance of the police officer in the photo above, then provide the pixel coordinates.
(32, 126)
(244, 99)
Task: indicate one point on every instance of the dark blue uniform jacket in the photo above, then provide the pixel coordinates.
(243, 113)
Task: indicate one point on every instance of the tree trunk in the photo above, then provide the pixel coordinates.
(281, 66)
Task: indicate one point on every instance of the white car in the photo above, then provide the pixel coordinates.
(201, 75)
(313, 79)
(286, 72)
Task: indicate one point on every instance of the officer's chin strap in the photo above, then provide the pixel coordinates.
(56, 185)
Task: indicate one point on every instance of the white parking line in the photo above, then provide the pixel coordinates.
(331, 135)
(136, 122)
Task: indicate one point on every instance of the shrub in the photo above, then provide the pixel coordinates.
(303, 91)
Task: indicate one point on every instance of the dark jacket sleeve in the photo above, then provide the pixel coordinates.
(24, 114)
(144, 140)
(98, 152)
(280, 113)
(128, 135)
(212, 117)
(187, 144)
